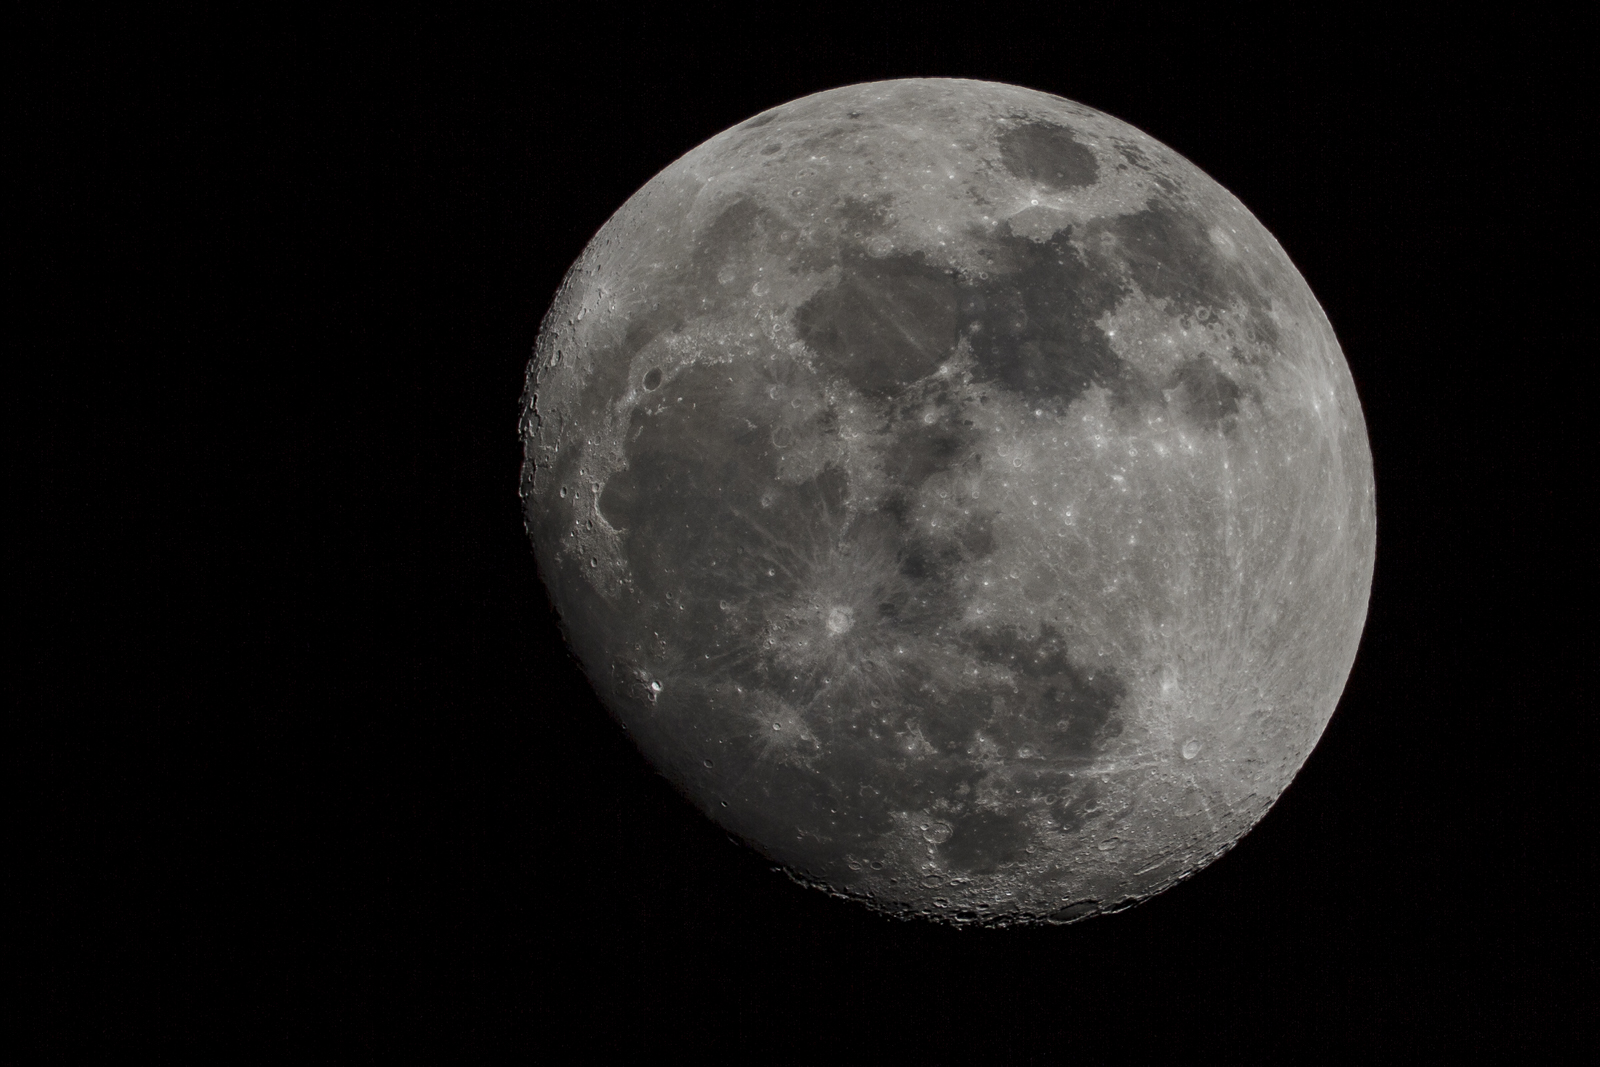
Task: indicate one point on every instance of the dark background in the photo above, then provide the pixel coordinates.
(330, 786)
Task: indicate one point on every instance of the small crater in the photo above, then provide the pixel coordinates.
(840, 620)
(652, 380)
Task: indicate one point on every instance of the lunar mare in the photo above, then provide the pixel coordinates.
(957, 494)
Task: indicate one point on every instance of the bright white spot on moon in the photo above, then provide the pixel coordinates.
(840, 619)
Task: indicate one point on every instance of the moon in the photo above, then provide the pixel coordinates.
(956, 494)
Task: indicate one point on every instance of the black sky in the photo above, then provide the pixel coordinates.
(385, 793)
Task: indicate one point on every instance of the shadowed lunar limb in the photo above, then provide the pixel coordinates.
(955, 493)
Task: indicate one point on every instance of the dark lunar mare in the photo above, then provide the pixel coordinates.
(888, 322)
(1048, 155)
(1033, 321)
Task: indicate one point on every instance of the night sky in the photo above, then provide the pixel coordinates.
(326, 781)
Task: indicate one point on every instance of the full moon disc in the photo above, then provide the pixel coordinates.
(957, 494)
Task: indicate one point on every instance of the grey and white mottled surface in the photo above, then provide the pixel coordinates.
(955, 492)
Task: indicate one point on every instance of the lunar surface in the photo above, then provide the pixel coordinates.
(957, 494)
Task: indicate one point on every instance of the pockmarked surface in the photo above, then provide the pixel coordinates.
(957, 494)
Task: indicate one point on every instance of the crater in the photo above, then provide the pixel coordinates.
(1207, 396)
(1048, 156)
